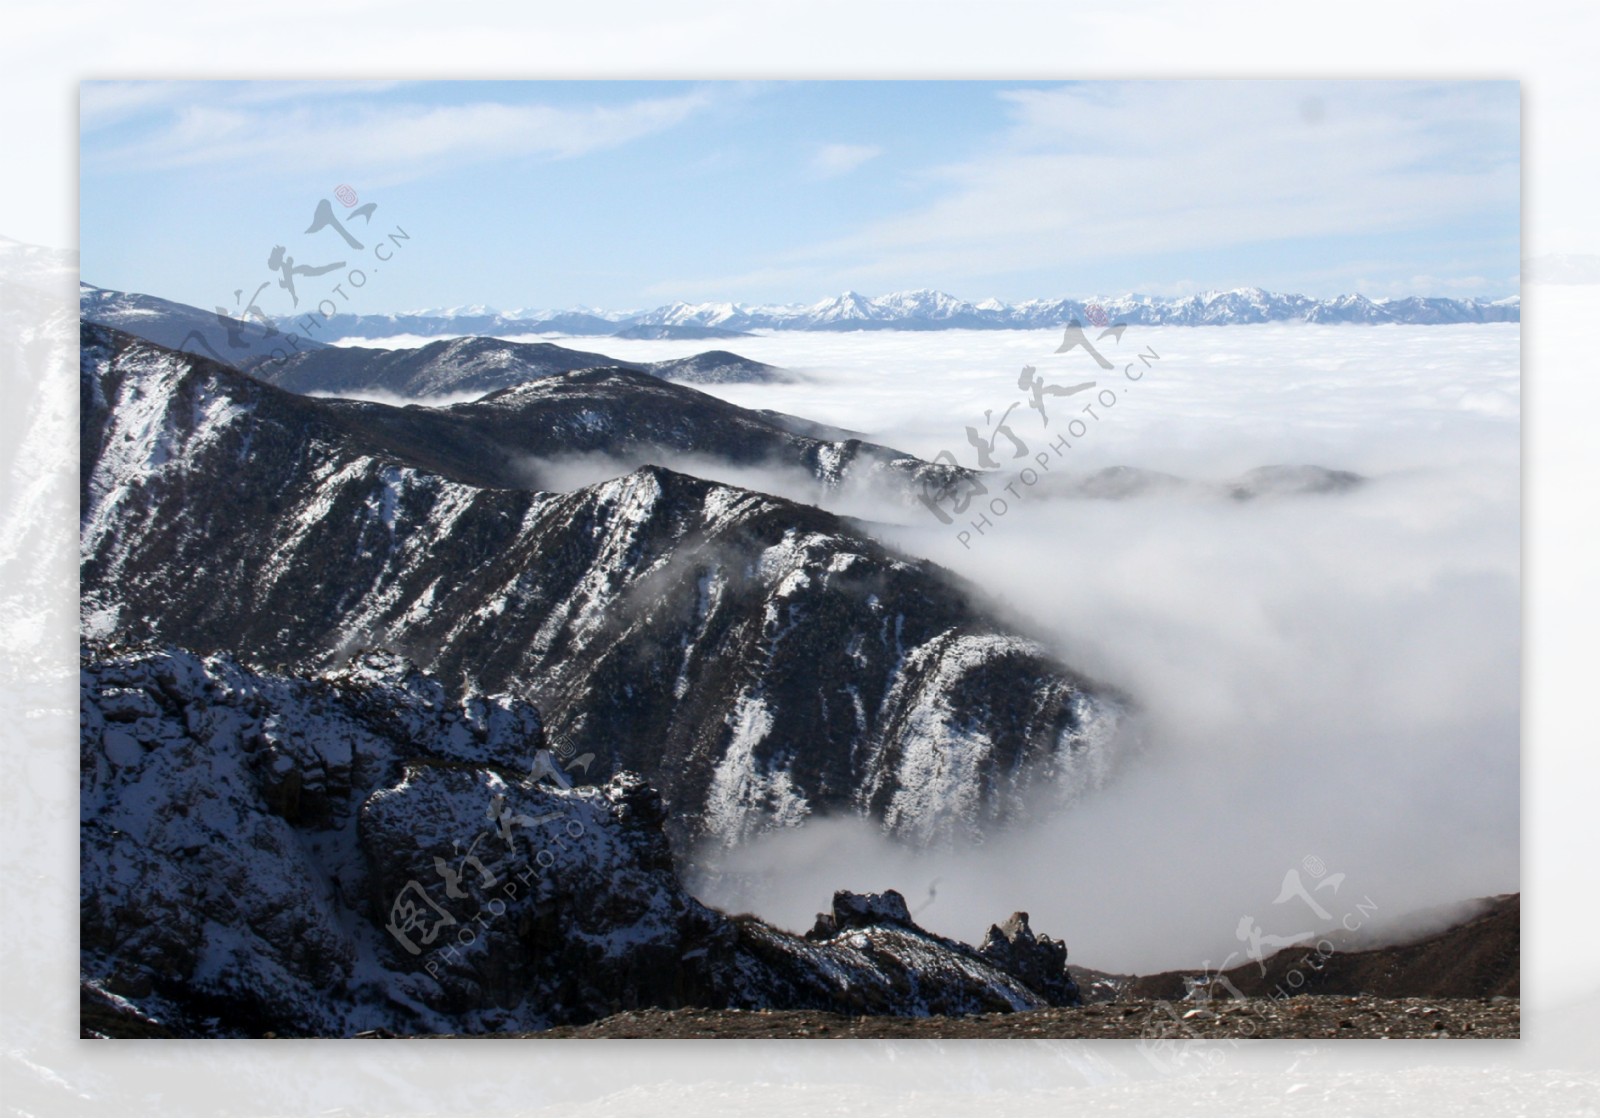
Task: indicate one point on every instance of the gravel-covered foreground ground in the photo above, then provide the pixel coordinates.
(1306, 1016)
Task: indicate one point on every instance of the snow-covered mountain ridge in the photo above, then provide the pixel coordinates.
(758, 659)
(925, 309)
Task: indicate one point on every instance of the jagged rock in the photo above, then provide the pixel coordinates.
(433, 894)
(881, 969)
(526, 901)
(823, 929)
(634, 801)
(1038, 961)
(393, 695)
(856, 911)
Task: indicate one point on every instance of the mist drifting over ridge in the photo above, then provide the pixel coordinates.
(1317, 675)
(1321, 675)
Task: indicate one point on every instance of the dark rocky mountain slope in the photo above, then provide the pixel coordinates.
(1479, 956)
(758, 660)
(467, 362)
(479, 365)
(359, 851)
(456, 365)
(233, 335)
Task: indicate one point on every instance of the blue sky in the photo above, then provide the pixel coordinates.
(624, 194)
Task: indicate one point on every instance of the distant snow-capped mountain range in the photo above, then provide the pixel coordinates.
(926, 309)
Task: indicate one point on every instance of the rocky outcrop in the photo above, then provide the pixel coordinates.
(354, 852)
(861, 911)
(1038, 961)
(875, 933)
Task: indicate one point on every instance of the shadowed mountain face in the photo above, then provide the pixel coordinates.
(452, 367)
(716, 367)
(456, 366)
(227, 334)
(508, 439)
(758, 660)
(463, 365)
(635, 419)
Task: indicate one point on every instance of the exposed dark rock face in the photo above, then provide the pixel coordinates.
(634, 419)
(716, 367)
(757, 660)
(354, 851)
(624, 414)
(810, 428)
(854, 911)
(1036, 960)
(876, 970)
(458, 365)
(480, 365)
(232, 334)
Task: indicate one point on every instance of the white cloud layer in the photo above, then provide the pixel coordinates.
(1333, 675)
(1086, 176)
(242, 123)
(833, 160)
(1088, 172)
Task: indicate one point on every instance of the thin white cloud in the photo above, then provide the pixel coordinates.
(1087, 173)
(832, 160)
(403, 139)
(102, 103)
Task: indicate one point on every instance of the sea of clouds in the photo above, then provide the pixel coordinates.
(1326, 684)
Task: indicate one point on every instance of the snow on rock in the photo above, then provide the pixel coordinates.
(938, 776)
(759, 660)
(353, 851)
(748, 794)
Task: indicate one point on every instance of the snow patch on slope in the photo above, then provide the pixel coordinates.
(749, 795)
